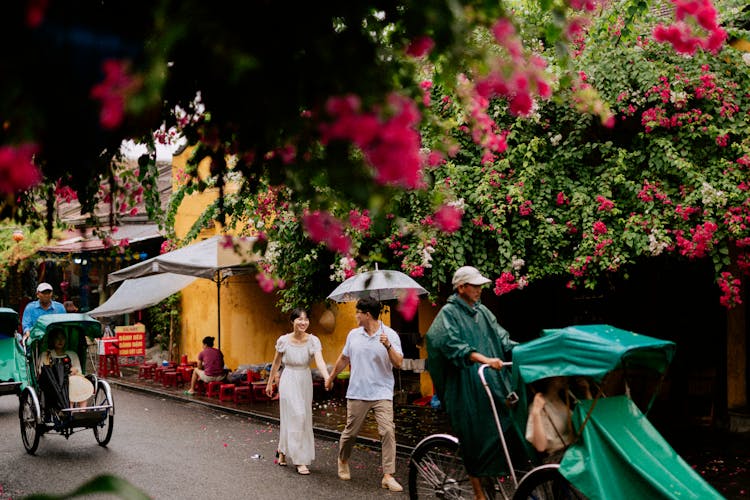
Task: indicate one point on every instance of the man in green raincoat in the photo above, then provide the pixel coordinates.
(465, 335)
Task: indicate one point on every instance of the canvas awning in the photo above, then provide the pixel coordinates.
(216, 259)
(140, 293)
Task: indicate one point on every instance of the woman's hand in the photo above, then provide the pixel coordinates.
(269, 390)
(538, 404)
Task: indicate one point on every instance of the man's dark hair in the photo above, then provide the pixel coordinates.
(369, 305)
(209, 341)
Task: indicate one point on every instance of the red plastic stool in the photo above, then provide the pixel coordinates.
(242, 393)
(169, 378)
(185, 374)
(213, 389)
(226, 392)
(200, 387)
(146, 371)
(158, 372)
(259, 391)
(109, 365)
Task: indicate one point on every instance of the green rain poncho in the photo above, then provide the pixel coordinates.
(459, 330)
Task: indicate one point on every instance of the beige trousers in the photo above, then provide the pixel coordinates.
(356, 411)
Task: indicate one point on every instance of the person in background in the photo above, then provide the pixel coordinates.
(463, 336)
(210, 365)
(372, 350)
(296, 350)
(38, 308)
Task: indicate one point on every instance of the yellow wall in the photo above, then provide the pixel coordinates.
(250, 322)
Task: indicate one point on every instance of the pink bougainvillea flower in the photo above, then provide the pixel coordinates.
(265, 281)
(360, 221)
(325, 228)
(227, 241)
(391, 143)
(448, 218)
(167, 246)
(605, 205)
(505, 283)
(114, 91)
(681, 35)
(17, 169)
(600, 227)
(408, 304)
(731, 290)
(420, 46)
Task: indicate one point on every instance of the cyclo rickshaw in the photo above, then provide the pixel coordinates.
(12, 359)
(616, 452)
(47, 401)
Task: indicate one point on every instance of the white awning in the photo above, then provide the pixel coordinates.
(140, 293)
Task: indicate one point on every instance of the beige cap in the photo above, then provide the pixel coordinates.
(470, 275)
(43, 287)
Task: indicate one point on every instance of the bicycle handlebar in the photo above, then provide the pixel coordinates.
(485, 365)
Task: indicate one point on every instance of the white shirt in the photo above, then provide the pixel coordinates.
(371, 375)
(75, 363)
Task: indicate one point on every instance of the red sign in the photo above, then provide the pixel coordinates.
(108, 346)
(131, 340)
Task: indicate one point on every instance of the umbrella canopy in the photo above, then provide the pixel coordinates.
(139, 293)
(379, 284)
(215, 258)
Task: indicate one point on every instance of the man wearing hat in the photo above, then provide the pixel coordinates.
(37, 308)
(463, 336)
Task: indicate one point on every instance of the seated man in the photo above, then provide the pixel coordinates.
(210, 365)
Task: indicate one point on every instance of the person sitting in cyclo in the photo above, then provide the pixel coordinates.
(549, 428)
(58, 355)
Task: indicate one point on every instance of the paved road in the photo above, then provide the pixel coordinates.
(171, 449)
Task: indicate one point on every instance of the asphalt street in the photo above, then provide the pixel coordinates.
(171, 449)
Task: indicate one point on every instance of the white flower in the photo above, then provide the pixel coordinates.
(746, 58)
(655, 245)
(517, 263)
(459, 204)
(426, 253)
(555, 140)
(712, 196)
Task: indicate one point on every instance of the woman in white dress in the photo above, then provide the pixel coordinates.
(296, 350)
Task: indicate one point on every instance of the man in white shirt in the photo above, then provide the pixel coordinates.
(372, 350)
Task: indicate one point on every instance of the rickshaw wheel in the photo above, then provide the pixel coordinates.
(546, 482)
(436, 469)
(28, 415)
(103, 431)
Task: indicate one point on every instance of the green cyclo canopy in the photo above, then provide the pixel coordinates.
(81, 323)
(588, 350)
(8, 322)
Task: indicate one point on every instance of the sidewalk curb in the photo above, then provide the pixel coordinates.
(318, 431)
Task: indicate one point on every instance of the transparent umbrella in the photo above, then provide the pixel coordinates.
(380, 284)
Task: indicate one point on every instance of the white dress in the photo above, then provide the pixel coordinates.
(296, 438)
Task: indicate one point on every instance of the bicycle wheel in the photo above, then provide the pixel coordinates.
(544, 483)
(28, 415)
(437, 470)
(103, 430)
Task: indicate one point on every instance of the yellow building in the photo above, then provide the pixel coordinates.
(250, 321)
